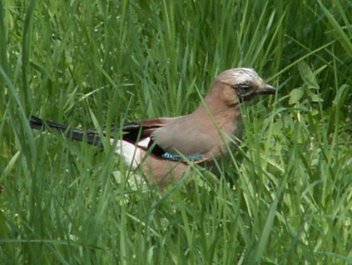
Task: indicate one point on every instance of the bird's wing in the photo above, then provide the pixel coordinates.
(170, 138)
(137, 131)
(185, 138)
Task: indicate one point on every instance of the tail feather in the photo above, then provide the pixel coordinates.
(89, 136)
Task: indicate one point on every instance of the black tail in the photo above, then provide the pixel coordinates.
(89, 136)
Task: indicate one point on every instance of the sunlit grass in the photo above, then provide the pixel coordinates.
(101, 63)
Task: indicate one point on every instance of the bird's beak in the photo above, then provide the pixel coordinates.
(266, 90)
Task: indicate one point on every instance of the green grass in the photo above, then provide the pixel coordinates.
(100, 63)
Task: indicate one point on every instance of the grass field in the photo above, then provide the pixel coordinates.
(96, 64)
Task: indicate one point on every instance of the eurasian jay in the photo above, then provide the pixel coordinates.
(164, 147)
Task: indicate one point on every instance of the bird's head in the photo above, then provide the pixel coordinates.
(242, 84)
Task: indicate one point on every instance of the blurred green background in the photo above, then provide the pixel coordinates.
(96, 64)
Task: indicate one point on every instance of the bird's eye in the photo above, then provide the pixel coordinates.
(242, 88)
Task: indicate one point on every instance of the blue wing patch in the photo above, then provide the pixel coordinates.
(175, 157)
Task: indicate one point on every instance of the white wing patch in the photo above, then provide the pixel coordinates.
(144, 143)
(130, 153)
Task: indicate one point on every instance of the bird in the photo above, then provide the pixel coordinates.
(164, 148)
